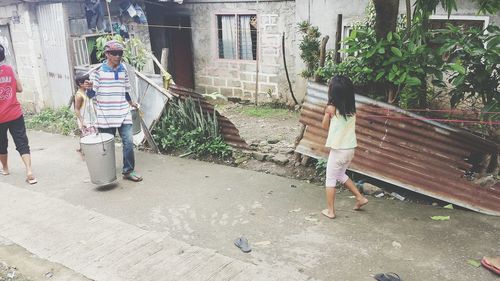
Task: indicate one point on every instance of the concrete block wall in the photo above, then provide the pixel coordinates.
(28, 53)
(237, 78)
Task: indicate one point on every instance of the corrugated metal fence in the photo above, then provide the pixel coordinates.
(406, 150)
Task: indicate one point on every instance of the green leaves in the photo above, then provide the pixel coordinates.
(184, 126)
(396, 51)
(413, 81)
(457, 67)
(440, 218)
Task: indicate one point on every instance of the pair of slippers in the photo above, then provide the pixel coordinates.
(492, 263)
(390, 276)
(242, 243)
(29, 179)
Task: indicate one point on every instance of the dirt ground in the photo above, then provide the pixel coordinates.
(273, 134)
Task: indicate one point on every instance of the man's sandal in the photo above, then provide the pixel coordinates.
(132, 176)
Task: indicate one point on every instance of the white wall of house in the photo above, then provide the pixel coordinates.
(237, 78)
(30, 63)
(323, 14)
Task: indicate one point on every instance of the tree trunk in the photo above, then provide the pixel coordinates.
(386, 16)
(408, 18)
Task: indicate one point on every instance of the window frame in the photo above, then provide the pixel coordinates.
(236, 14)
(484, 19)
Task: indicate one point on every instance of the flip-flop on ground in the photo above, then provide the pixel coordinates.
(242, 243)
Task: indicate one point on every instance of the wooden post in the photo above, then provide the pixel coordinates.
(338, 38)
(109, 17)
(257, 57)
(164, 64)
(322, 55)
(164, 58)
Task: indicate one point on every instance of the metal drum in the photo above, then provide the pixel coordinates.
(99, 152)
(136, 121)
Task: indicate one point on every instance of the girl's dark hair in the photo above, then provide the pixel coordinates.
(2, 53)
(341, 95)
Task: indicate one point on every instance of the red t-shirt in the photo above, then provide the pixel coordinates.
(10, 108)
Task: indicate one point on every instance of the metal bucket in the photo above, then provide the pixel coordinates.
(99, 152)
(136, 121)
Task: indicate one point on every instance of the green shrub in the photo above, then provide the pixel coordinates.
(61, 121)
(184, 126)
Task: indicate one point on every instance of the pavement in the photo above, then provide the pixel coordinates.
(181, 221)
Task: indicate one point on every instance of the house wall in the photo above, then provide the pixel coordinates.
(237, 78)
(28, 54)
(323, 14)
(78, 25)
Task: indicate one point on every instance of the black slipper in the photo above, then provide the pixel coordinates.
(242, 243)
(390, 276)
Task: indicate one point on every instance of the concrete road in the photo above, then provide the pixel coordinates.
(181, 221)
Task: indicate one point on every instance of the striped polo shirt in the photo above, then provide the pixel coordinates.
(110, 86)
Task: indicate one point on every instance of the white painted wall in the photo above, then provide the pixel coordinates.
(323, 14)
(28, 53)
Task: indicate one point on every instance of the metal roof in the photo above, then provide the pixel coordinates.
(229, 132)
(404, 149)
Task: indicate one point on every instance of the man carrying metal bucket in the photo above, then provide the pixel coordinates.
(109, 86)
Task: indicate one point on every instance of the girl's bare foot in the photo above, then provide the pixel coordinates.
(360, 203)
(4, 172)
(328, 214)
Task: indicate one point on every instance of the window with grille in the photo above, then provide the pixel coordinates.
(237, 36)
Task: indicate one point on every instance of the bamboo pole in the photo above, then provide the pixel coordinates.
(109, 17)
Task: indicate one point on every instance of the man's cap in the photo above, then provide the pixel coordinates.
(113, 45)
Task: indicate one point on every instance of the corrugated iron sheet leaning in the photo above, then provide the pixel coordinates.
(420, 155)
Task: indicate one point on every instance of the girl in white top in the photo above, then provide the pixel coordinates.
(340, 120)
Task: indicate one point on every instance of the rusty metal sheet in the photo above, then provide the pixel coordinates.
(229, 132)
(405, 149)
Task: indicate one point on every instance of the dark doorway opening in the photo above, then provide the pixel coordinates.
(172, 31)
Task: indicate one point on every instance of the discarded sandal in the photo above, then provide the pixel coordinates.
(242, 243)
(390, 276)
(31, 179)
(492, 263)
(132, 176)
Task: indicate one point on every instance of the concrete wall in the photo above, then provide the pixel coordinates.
(237, 78)
(323, 14)
(28, 54)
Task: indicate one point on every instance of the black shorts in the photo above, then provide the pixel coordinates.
(17, 130)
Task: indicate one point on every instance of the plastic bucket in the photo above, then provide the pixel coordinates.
(136, 121)
(99, 152)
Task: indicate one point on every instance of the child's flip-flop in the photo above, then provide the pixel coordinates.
(242, 243)
(132, 176)
(31, 179)
(390, 276)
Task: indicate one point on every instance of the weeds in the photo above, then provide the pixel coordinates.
(61, 121)
(184, 126)
(265, 111)
(320, 167)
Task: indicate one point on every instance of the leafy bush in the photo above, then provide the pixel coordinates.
(61, 121)
(395, 60)
(135, 52)
(184, 126)
(309, 48)
(472, 61)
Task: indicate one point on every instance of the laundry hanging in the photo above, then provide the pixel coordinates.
(94, 14)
